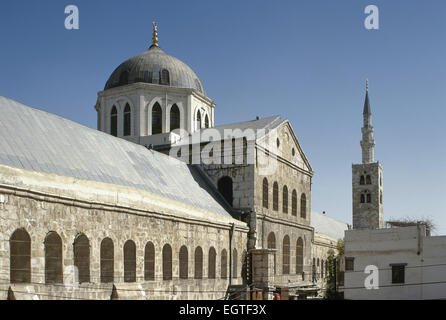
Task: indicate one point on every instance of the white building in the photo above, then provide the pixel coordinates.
(411, 264)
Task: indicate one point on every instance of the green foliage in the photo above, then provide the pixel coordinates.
(333, 280)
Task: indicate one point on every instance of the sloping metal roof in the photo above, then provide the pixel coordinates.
(328, 226)
(147, 66)
(36, 140)
(265, 124)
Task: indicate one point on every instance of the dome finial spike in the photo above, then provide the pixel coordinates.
(155, 34)
(367, 84)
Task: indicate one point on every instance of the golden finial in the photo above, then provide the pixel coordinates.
(367, 84)
(155, 34)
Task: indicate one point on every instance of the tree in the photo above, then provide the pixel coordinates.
(333, 279)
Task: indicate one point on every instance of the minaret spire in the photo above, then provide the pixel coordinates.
(367, 143)
(155, 35)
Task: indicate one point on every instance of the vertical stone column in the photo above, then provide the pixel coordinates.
(263, 270)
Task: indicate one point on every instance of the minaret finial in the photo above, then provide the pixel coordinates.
(367, 84)
(155, 34)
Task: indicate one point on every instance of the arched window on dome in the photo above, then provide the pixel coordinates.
(206, 122)
(198, 120)
(174, 117)
(157, 116)
(127, 120)
(114, 122)
(165, 77)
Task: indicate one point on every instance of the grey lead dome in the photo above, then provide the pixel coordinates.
(148, 66)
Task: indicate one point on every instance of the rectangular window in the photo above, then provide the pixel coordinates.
(398, 273)
(349, 264)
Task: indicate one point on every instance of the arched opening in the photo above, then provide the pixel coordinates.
(286, 255)
(362, 198)
(82, 257)
(303, 206)
(369, 198)
(225, 187)
(299, 256)
(129, 261)
(285, 199)
(20, 257)
(149, 262)
(114, 122)
(294, 203)
(167, 262)
(174, 117)
(157, 119)
(206, 121)
(224, 264)
(184, 262)
(107, 261)
(265, 193)
(211, 263)
(275, 196)
(362, 180)
(381, 197)
(198, 121)
(272, 245)
(127, 120)
(165, 77)
(368, 179)
(234, 263)
(198, 263)
(53, 259)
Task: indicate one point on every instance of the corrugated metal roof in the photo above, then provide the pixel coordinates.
(36, 140)
(328, 226)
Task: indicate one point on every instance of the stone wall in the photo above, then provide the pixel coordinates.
(367, 215)
(40, 212)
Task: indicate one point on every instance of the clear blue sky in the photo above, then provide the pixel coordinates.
(305, 60)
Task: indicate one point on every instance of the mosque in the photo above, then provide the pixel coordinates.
(158, 203)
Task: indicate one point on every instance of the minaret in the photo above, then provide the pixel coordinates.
(367, 143)
(367, 178)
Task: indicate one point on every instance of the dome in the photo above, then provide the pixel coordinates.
(155, 66)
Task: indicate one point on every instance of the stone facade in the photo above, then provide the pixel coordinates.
(367, 184)
(71, 211)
